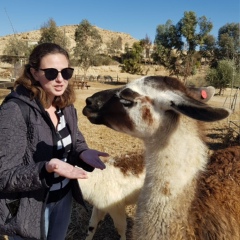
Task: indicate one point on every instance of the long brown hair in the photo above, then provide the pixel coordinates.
(28, 81)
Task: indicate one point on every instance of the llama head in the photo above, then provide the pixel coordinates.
(148, 104)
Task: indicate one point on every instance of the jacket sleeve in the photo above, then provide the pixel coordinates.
(18, 171)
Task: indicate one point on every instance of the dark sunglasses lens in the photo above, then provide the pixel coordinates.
(51, 73)
(67, 73)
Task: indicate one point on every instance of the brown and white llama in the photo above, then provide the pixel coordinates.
(109, 191)
(185, 195)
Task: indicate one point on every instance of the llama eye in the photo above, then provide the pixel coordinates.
(126, 102)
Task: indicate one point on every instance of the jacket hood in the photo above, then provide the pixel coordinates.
(24, 95)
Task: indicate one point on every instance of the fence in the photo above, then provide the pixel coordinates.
(232, 101)
(81, 81)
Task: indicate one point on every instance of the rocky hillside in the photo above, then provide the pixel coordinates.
(7, 71)
(69, 30)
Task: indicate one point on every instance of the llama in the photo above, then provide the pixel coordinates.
(111, 190)
(110, 198)
(186, 194)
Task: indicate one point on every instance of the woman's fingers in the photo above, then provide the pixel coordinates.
(65, 169)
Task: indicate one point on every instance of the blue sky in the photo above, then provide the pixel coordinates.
(137, 18)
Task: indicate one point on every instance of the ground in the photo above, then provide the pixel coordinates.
(117, 144)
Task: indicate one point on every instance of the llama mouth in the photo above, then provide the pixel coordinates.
(92, 116)
(88, 112)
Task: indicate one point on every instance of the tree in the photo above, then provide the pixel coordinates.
(51, 33)
(88, 43)
(229, 40)
(146, 44)
(208, 48)
(115, 46)
(176, 44)
(188, 26)
(224, 75)
(15, 50)
(132, 59)
(15, 47)
(168, 43)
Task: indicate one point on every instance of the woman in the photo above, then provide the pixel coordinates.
(38, 159)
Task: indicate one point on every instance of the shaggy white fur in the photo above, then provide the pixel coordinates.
(110, 191)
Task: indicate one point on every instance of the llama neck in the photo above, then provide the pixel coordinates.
(173, 163)
(172, 166)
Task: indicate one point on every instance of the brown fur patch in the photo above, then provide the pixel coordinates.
(146, 115)
(130, 164)
(216, 208)
(165, 189)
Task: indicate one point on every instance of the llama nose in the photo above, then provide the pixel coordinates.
(89, 101)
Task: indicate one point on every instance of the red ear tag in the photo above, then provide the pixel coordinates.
(204, 94)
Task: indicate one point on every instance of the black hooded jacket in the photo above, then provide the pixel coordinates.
(23, 153)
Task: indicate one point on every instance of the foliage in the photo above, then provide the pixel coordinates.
(131, 66)
(168, 43)
(102, 59)
(175, 45)
(51, 33)
(188, 27)
(229, 40)
(114, 46)
(224, 75)
(132, 59)
(88, 42)
(208, 48)
(15, 50)
(146, 44)
(227, 46)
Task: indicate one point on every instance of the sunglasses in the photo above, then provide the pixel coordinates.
(52, 73)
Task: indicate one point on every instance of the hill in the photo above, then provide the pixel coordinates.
(6, 70)
(69, 30)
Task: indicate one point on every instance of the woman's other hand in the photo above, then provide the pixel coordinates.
(91, 157)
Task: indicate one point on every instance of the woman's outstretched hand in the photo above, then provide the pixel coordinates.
(91, 157)
(65, 169)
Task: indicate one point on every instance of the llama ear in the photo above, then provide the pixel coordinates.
(201, 112)
(203, 94)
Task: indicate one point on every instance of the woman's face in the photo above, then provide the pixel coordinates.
(57, 86)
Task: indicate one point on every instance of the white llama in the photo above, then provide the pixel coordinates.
(111, 190)
(185, 195)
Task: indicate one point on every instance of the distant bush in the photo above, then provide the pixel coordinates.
(100, 60)
(224, 75)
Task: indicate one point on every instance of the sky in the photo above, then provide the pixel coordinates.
(139, 18)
